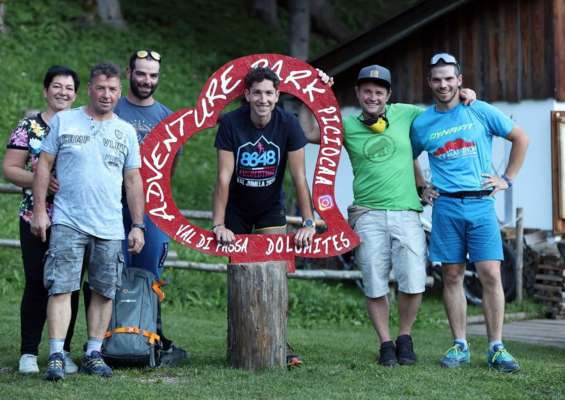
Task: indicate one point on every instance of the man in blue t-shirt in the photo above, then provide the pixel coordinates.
(458, 141)
(140, 109)
(254, 143)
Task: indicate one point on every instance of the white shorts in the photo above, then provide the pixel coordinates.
(391, 240)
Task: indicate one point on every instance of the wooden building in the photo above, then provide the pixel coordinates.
(509, 50)
(512, 53)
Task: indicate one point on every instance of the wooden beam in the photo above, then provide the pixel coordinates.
(556, 118)
(559, 48)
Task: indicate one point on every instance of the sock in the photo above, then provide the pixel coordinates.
(462, 343)
(56, 345)
(495, 345)
(93, 344)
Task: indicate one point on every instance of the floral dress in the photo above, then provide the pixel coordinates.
(28, 136)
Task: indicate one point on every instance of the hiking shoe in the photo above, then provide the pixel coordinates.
(292, 360)
(405, 350)
(70, 365)
(172, 356)
(55, 367)
(28, 364)
(94, 365)
(387, 354)
(455, 356)
(502, 361)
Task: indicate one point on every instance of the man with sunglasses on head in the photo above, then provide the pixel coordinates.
(458, 141)
(140, 109)
(386, 206)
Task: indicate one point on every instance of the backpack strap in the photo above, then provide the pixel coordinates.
(156, 286)
(152, 337)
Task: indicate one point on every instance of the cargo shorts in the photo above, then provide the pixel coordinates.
(69, 249)
(391, 240)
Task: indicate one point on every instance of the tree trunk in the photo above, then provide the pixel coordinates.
(266, 10)
(257, 315)
(3, 28)
(110, 13)
(299, 28)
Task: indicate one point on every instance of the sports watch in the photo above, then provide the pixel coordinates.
(308, 223)
(140, 226)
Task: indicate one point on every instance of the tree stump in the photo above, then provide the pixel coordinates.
(257, 315)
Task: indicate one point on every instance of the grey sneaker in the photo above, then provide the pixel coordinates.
(55, 367)
(94, 365)
(28, 364)
(70, 366)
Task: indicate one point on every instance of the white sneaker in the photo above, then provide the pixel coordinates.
(28, 364)
(70, 366)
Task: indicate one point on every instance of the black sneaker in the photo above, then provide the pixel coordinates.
(387, 354)
(173, 355)
(405, 350)
(94, 365)
(55, 367)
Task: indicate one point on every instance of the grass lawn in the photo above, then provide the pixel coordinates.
(339, 362)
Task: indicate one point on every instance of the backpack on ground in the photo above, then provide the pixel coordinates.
(132, 339)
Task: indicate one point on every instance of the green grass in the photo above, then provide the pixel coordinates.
(339, 363)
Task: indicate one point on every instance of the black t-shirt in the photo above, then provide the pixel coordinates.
(260, 157)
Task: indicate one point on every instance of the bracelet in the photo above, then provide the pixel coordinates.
(508, 180)
(420, 190)
(215, 226)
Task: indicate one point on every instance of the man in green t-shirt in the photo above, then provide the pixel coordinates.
(386, 209)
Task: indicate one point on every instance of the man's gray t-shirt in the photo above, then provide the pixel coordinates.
(91, 157)
(143, 118)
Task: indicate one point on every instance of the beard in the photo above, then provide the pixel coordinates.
(136, 92)
(447, 100)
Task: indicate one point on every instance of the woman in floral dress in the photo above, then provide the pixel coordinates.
(60, 86)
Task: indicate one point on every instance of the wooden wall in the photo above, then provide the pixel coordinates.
(509, 50)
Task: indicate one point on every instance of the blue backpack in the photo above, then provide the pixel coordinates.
(132, 339)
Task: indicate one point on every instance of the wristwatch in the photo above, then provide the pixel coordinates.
(308, 223)
(140, 226)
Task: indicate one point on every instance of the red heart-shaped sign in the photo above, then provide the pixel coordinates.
(225, 85)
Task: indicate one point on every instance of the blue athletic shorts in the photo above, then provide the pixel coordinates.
(462, 226)
(152, 257)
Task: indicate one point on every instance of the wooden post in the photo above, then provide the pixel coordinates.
(519, 253)
(257, 315)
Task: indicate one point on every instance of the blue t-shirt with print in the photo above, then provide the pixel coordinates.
(459, 143)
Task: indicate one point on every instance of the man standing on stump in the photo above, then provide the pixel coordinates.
(254, 143)
(94, 152)
(458, 141)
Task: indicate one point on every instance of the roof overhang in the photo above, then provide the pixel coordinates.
(383, 35)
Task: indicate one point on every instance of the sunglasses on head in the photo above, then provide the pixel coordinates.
(444, 58)
(142, 54)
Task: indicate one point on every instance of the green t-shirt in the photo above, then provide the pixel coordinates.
(382, 163)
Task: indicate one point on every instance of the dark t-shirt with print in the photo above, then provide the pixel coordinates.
(260, 157)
